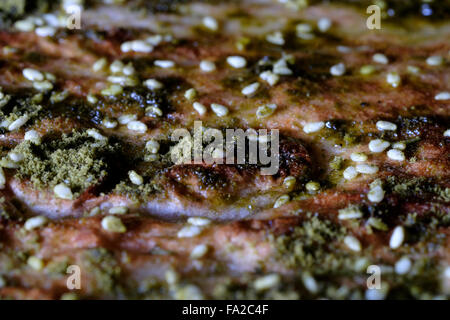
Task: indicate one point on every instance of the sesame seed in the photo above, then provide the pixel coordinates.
(270, 77)
(219, 109)
(100, 64)
(123, 80)
(199, 251)
(113, 224)
(393, 78)
(109, 123)
(207, 66)
(118, 210)
(200, 108)
(350, 173)
(399, 146)
(91, 99)
(136, 46)
(396, 155)
(377, 223)
(352, 243)
(397, 237)
(442, 96)
(24, 25)
(344, 49)
(376, 194)
(190, 94)
(210, 23)
(312, 186)
(96, 135)
(250, 89)
(281, 201)
(289, 182)
(303, 28)
(280, 67)
(324, 24)
(413, 69)
(35, 222)
(265, 110)
(386, 125)
(313, 126)
(275, 38)
(153, 84)
(155, 39)
(45, 31)
(137, 126)
(32, 74)
(164, 63)
(266, 282)
(366, 168)
(126, 118)
(189, 231)
(112, 90)
(338, 70)
(375, 294)
(351, 212)
(358, 157)
(135, 178)
(447, 133)
(237, 62)
(62, 191)
(403, 265)
(367, 70)
(116, 66)
(152, 146)
(2, 178)
(199, 221)
(310, 283)
(435, 61)
(378, 145)
(15, 156)
(16, 124)
(380, 58)
(35, 263)
(128, 70)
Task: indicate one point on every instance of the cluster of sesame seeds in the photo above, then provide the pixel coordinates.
(194, 228)
(136, 46)
(41, 80)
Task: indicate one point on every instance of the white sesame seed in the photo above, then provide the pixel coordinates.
(396, 155)
(164, 63)
(136, 46)
(265, 110)
(310, 283)
(35, 222)
(199, 251)
(386, 125)
(32, 74)
(352, 243)
(378, 145)
(313, 126)
(375, 294)
(303, 28)
(95, 134)
(380, 58)
(118, 210)
(153, 111)
(397, 237)
(338, 70)
(393, 78)
(126, 118)
(63, 191)
(312, 186)
(207, 66)
(366, 168)
(2, 178)
(137, 126)
(189, 231)
(100, 64)
(113, 224)
(45, 31)
(237, 62)
(281, 201)
(91, 99)
(351, 212)
(289, 182)
(43, 85)
(199, 221)
(403, 265)
(35, 263)
(219, 109)
(16, 124)
(435, 61)
(109, 123)
(413, 69)
(200, 108)
(280, 67)
(442, 96)
(24, 25)
(358, 157)
(376, 194)
(190, 94)
(135, 178)
(399, 146)
(116, 67)
(155, 39)
(153, 84)
(275, 38)
(210, 23)
(152, 146)
(344, 49)
(350, 173)
(15, 156)
(270, 77)
(324, 24)
(266, 282)
(447, 133)
(250, 89)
